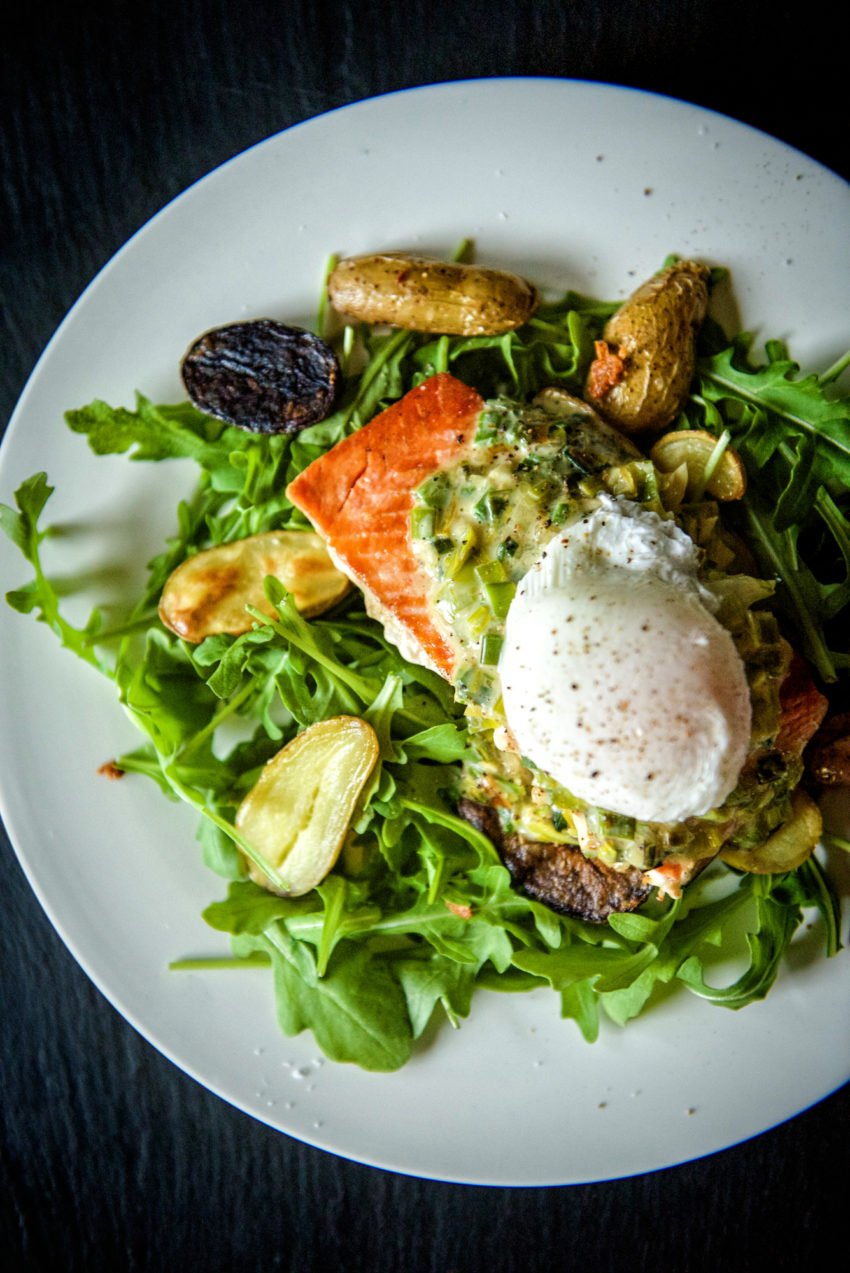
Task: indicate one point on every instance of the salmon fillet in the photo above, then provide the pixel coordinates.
(359, 496)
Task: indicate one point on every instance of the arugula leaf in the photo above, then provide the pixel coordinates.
(22, 526)
(793, 434)
(39, 595)
(356, 1011)
(809, 603)
(429, 982)
(607, 968)
(251, 909)
(580, 1003)
(775, 924)
(798, 408)
(154, 432)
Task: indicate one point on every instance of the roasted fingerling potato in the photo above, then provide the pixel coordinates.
(420, 293)
(210, 592)
(644, 365)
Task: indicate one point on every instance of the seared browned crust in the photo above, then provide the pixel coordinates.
(558, 875)
(829, 763)
(802, 708)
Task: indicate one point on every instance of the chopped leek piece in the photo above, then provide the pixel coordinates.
(500, 596)
(491, 648)
(422, 522)
(492, 572)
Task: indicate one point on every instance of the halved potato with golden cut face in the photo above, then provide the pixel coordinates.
(298, 813)
(210, 592)
(694, 448)
(790, 844)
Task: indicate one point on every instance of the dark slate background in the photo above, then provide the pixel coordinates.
(111, 1157)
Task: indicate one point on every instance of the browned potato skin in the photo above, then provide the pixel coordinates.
(654, 334)
(420, 293)
(208, 592)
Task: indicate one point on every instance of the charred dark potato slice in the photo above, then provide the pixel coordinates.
(558, 875)
(262, 376)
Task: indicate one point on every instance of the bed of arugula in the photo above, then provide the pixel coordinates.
(422, 914)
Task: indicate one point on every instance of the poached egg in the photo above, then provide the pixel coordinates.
(617, 679)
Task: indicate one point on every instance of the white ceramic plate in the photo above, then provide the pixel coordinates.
(571, 184)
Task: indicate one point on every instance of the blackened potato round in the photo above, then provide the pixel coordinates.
(262, 376)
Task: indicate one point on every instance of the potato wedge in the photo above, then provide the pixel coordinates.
(209, 592)
(790, 844)
(694, 448)
(641, 375)
(298, 813)
(420, 293)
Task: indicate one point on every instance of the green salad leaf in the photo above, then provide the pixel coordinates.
(793, 433)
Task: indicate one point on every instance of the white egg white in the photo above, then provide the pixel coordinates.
(617, 679)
